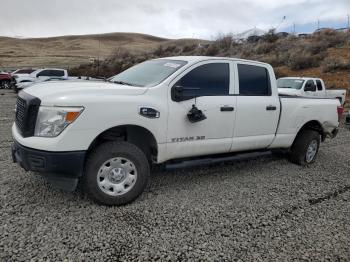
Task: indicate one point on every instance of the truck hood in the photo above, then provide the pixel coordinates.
(288, 91)
(71, 92)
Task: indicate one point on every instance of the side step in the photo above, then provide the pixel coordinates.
(215, 160)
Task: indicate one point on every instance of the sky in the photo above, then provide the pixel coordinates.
(167, 18)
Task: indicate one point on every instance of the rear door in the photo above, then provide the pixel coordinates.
(320, 92)
(258, 107)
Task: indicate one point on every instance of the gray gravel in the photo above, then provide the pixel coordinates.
(260, 209)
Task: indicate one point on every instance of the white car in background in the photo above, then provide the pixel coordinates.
(308, 87)
(40, 75)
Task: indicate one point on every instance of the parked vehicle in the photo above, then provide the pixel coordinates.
(5, 80)
(22, 72)
(107, 134)
(38, 76)
(309, 87)
(347, 120)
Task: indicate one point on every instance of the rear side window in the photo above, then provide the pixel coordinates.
(56, 73)
(253, 80)
(207, 80)
(312, 84)
(319, 85)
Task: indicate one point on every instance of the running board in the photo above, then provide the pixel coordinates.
(215, 160)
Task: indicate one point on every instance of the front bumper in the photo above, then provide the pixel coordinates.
(62, 169)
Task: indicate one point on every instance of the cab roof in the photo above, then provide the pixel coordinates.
(196, 59)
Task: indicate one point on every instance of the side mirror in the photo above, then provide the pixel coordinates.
(180, 93)
(309, 87)
(177, 93)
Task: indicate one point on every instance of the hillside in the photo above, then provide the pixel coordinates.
(68, 51)
(325, 55)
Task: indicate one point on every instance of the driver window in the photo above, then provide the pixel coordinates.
(207, 80)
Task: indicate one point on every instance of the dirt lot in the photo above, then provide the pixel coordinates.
(250, 210)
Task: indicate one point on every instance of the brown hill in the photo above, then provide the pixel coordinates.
(325, 54)
(68, 51)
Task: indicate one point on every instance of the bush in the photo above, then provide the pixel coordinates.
(303, 60)
(316, 47)
(224, 42)
(264, 48)
(212, 50)
(270, 36)
(332, 38)
(189, 48)
(331, 64)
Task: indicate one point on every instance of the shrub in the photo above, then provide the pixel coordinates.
(264, 48)
(331, 64)
(270, 36)
(303, 60)
(224, 42)
(212, 50)
(189, 48)
(316, 47)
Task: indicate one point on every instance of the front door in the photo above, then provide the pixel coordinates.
(205, 87)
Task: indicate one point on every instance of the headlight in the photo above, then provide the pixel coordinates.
(51, 121)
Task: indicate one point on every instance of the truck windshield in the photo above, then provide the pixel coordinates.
(149, 73)
(290, 83)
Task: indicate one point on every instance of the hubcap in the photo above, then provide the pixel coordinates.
(311, 151)
(117, 176)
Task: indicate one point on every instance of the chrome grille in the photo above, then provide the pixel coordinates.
(27, 107)
(20, 113)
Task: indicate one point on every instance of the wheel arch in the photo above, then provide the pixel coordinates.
(135, 134)
(312, 125)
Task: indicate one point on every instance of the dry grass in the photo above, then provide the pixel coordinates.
(70, 51)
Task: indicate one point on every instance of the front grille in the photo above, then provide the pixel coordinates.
(26, 113)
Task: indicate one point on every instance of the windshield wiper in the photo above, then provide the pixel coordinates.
(123, 83)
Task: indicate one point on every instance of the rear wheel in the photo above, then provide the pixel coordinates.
(116, 173)
(305, 147)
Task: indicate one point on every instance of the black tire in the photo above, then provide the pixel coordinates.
(5, 84)
(299, 149)
(105, 152)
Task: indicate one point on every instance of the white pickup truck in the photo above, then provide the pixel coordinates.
(107, 134)
(40, 75)
(309, 87)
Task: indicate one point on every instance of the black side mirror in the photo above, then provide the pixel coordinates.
(177, 93)
(181, 93)
(310, 87)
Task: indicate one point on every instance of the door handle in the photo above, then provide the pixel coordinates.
(270, 107)
(227, 108)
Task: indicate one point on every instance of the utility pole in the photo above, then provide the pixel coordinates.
(294, 28)
(318, 24)
(98, 57)
(348, 23)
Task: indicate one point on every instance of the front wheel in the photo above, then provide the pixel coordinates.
(116, 173)
(5, 84)
(305, 148)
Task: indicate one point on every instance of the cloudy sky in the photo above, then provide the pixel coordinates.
(166, 18)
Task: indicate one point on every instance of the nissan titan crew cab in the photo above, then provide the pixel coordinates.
(107, 134)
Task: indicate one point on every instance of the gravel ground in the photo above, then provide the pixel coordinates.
(260, 209)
